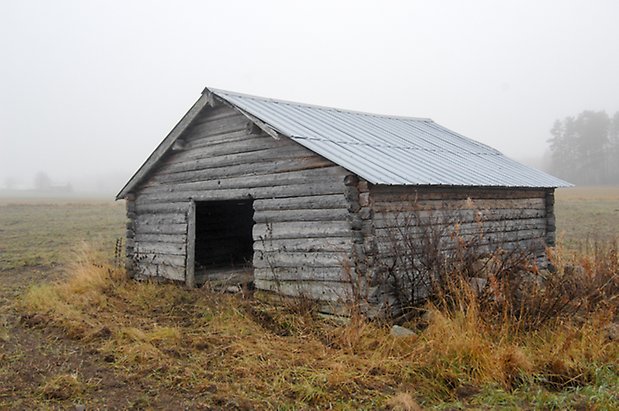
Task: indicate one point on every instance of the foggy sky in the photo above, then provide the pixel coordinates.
(89, 88)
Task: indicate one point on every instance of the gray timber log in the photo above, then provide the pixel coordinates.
(264, 259)
(335, 292)
(320, 244)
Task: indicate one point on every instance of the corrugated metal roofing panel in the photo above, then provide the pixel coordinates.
(391, 150)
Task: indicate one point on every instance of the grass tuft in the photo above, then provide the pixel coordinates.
(403, 401)
(62, 387)
(226, 351)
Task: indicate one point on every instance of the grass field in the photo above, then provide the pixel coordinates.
(93, 338)
(43, 232)
(588, 214)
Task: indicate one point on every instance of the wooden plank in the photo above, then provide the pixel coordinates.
(382, 240)
(300, 215)
(319, 244)
(270, 154)
(217, 126)
(309, 229)
(476, 204)
(164, 238)
(298, 259)
(160, 259)
(250, 144)
(309, 189)
(161, 229)
(303, 273)
(389, 193)
(530, 247)
(160, 218)
(498, 236)
(317, 290)
(462, 216)
(225, 276)
(385, 244)
(164, 146)
(204, 142)
(150, 247)
(190, 278)
(198, 139)
(492, 226)
(164, 208)
(170, 272)
(254, 181)
(245, 169)
(306, 202)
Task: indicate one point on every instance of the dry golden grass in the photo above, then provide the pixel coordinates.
(403, 401)
(62, 387)
(227, 352)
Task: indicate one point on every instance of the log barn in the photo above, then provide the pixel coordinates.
(289, 196)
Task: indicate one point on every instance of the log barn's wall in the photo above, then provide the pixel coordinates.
(302, 229)
(498, 217)
(390, 218)
(506, 217)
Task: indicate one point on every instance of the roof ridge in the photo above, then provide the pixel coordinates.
(316, 106)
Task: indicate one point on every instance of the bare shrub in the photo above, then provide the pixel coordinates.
(433, 257)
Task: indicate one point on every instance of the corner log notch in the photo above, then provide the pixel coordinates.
(551, 227)
(360, 213)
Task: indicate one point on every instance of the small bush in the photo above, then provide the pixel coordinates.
(428, 259)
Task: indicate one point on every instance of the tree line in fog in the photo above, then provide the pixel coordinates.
(584, 149)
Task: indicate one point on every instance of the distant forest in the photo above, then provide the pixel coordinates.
(585, 149)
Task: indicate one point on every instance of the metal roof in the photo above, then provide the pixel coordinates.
(390, 150)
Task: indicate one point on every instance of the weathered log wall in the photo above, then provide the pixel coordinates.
(301, 233)
(400, 221)
(504, 217)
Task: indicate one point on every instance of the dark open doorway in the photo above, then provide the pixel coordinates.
(224, 243)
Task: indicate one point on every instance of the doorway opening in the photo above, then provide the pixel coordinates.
(224, 245)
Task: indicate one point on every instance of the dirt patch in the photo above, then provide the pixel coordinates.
(42, 368)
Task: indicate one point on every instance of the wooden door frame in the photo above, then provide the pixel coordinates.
(190, 260)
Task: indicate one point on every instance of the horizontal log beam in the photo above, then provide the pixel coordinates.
(476, 204)
(250, 182)
(318, 290)
(304, 273)
(300, 215)
(158, 248)
(305, 202)
(170, 272)
(309, 229)
(308, 189)
(320, 244)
